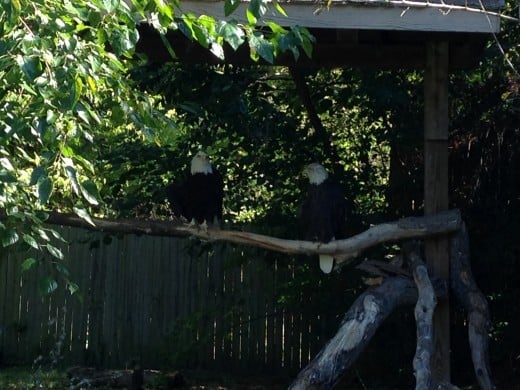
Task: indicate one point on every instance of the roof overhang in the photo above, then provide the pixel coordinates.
(365, 15)
(370, 33)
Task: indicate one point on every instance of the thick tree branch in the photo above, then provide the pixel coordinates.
(403, 229)
(357, 328)
(474, 302)
(424, 308)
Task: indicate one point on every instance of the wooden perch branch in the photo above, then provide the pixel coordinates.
(357, 328)
(474, 302)
(406, 228)
(424, 308)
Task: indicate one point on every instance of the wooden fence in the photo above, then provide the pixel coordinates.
(168, 302)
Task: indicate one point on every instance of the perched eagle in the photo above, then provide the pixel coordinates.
(322, 214)
(199, 197)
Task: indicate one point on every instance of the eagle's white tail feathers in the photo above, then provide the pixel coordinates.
(326, 263)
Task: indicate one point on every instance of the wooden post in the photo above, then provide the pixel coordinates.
(436, 192)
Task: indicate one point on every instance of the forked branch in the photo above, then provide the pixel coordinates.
(403, 229)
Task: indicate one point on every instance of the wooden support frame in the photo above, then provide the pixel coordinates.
(436, 192)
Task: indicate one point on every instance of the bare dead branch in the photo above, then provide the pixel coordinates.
(424, 318)
(474, 302)
(357, 328)
(406, 228)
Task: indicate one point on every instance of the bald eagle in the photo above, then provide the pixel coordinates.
(199, 197)
(322, 214)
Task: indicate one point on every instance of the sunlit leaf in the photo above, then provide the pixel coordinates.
(276, 28)
(110, 5)
(4, 161)
(72, 287)
(9, 237)
(42, 233)
(164, 9)
(56, 252)
(90, 192)
(251, 18)
(71, 174)
(83, 214)
(75, 93)
(279, 8)
(262, 47)
(231, 33)
(31, 241)
(217, 50)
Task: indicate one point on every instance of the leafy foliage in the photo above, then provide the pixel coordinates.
(65, 91)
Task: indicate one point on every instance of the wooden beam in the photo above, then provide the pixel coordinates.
(436, 191)
(375, 49)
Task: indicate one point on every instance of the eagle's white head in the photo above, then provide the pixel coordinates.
(316, 173)
(200, 164)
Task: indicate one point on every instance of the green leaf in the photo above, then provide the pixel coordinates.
(231, 33)
(28, 263)
(250, 17)
(56, 252)
(90, 192)
(67, 151)
(83, 214)
(51, 117)
(4, 161)
(217, 50)
(31, 241)
(110, 5)
(168, 46)
(62, 268)
(276, 28)
(43, 235)
(44, 190)
(71, 174)
(57, 235)
(279, 8)
(255, 10)
(164, 9)
(262, 47)
(48, 285)
(37, 174)
(9, 237)
(85, 163)
(6, 177)
(41, 215)
(230, 6)
(200, 35)
(16, 4)
(72, 287)
(75, 93)
(31, 66)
